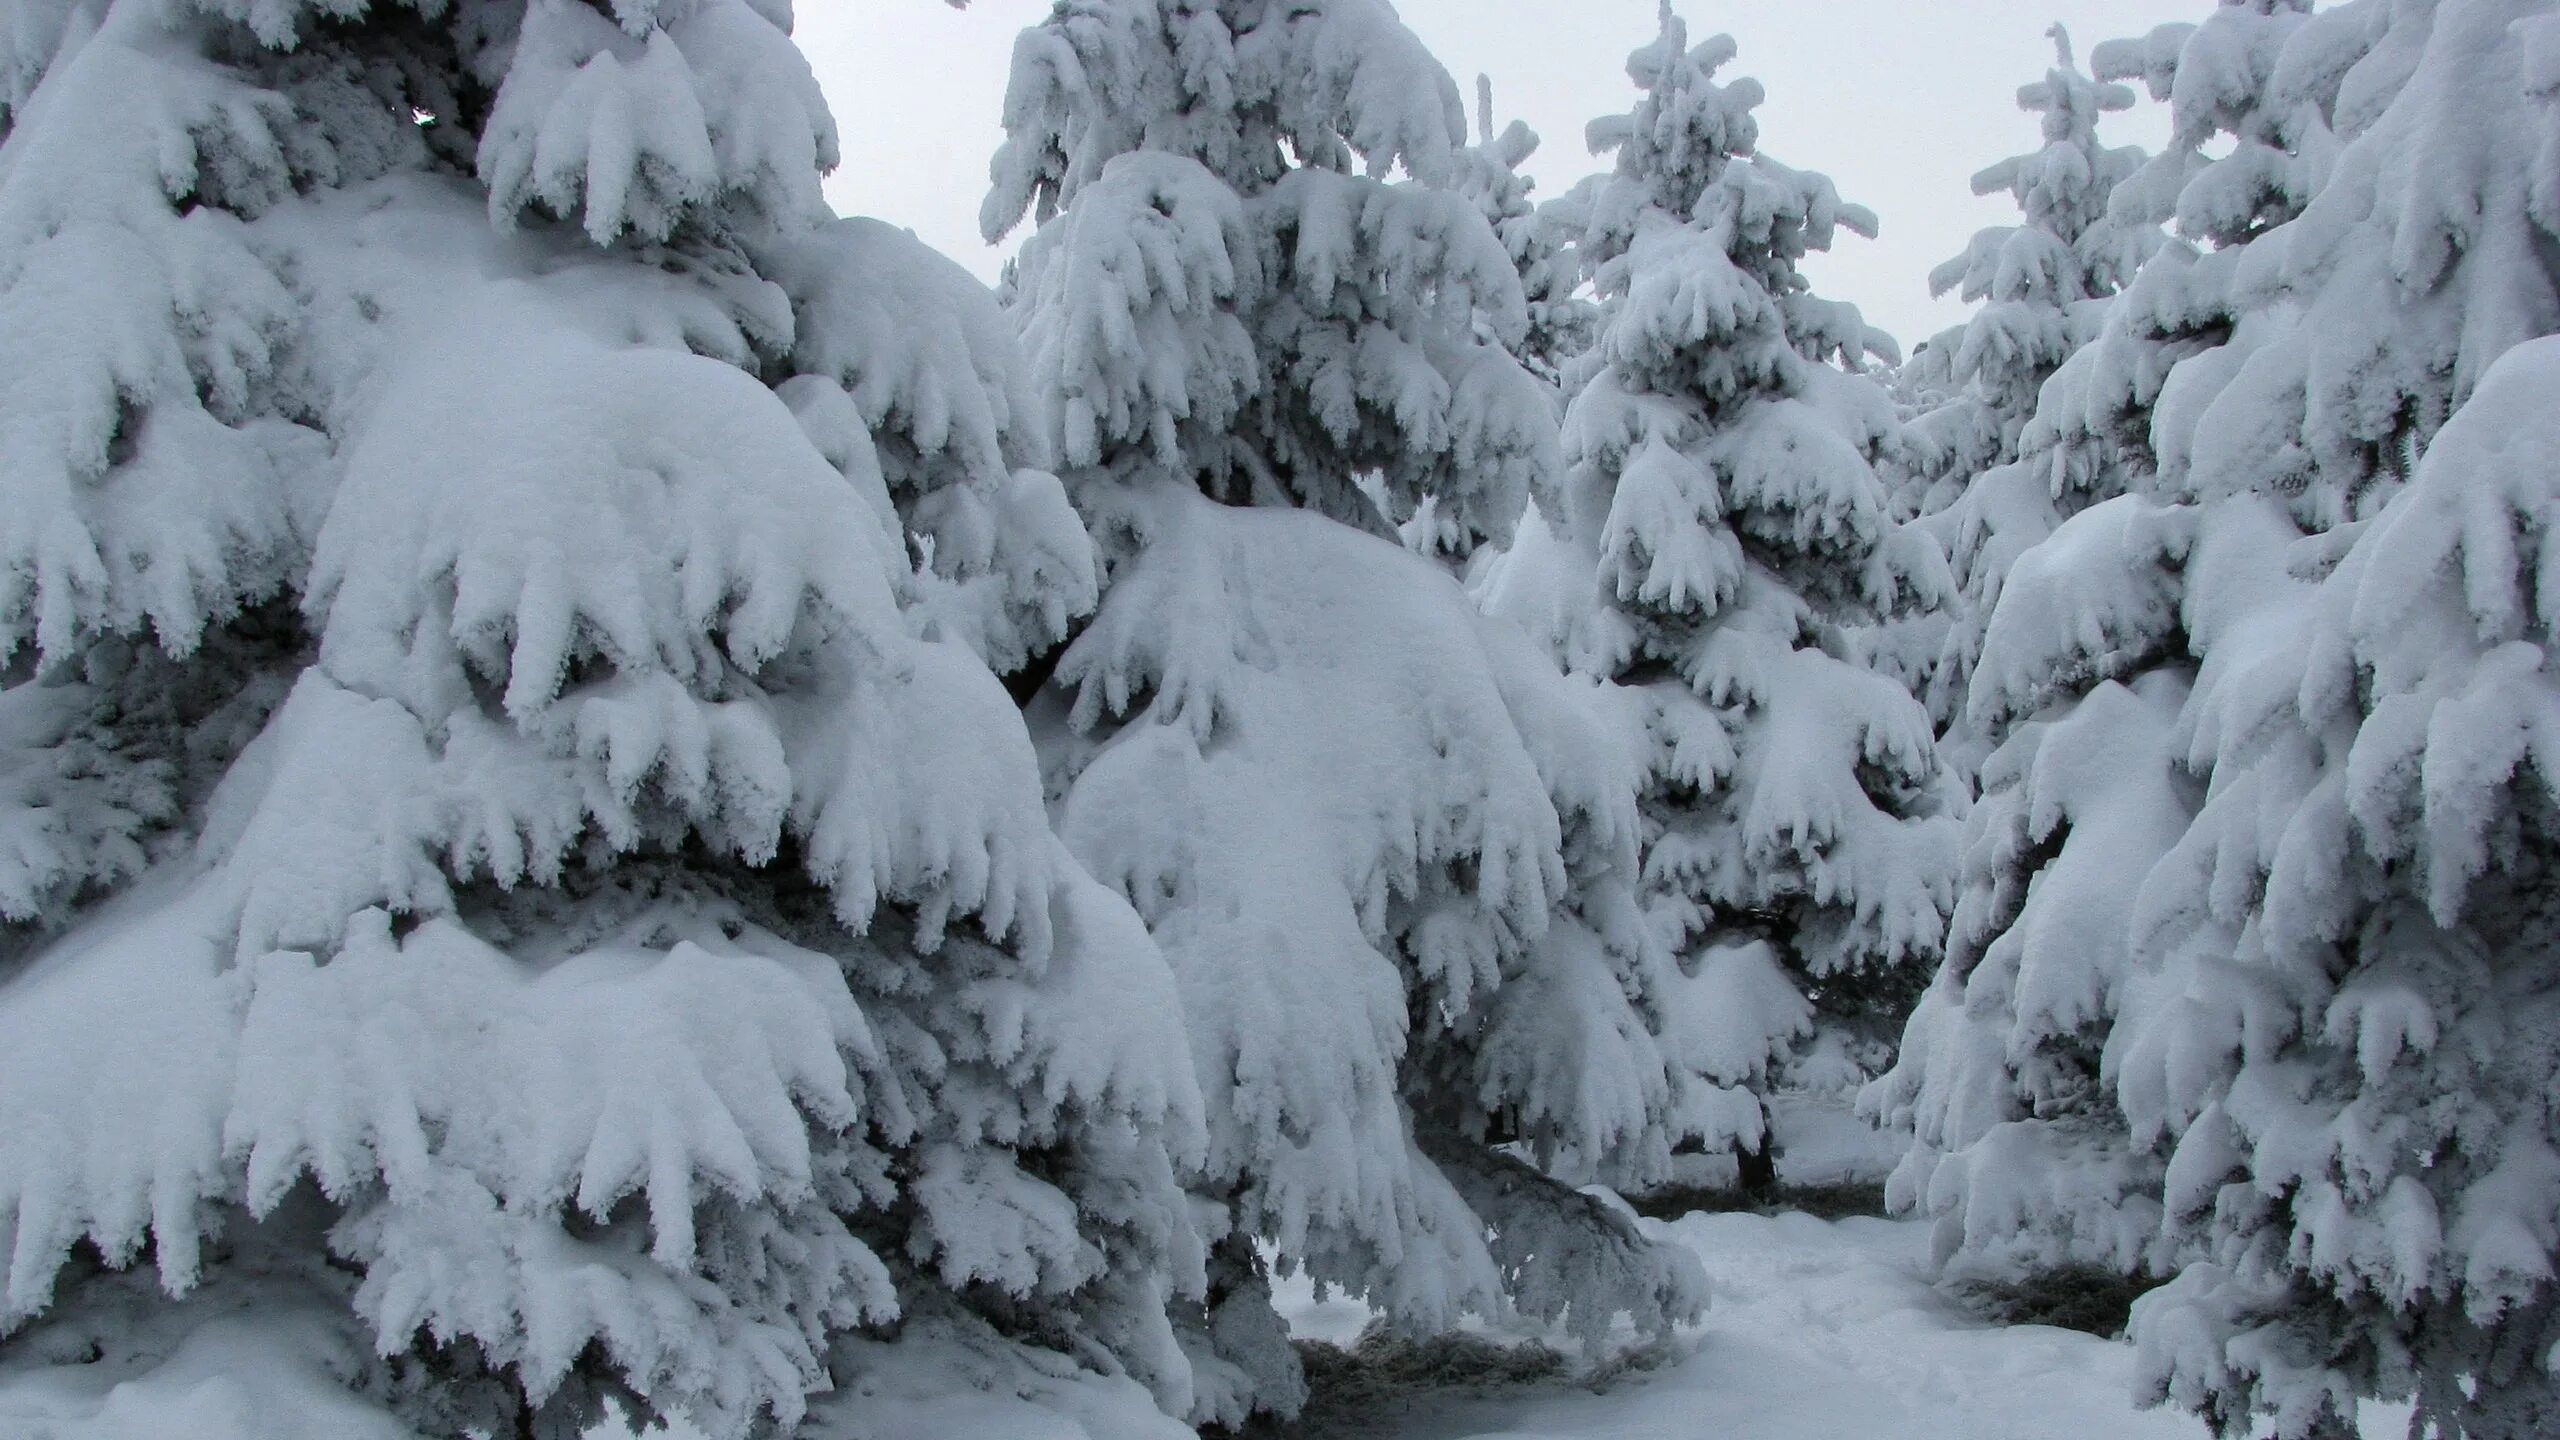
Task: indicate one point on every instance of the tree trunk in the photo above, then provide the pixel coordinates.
(1758, 1167)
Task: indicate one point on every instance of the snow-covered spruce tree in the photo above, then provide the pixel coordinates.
(1388, 849)
(2322, 1078)
(2367, 1157)
(1345, 306)
(519, 893)
(2030, 281)
(1721, 526)
(2041, 287)
(2085, 428)
(2237, 84)
(2020, 1149)
(2344, 1046)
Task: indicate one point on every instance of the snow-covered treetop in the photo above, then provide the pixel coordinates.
(1733, 315)
(2062, 188)
(1249, 90)
(2035, 283)
(2422, 258)
(2066, 251)
(1721, 525)
(1988, 480)
(2355, 261)
(2272, 87)
(1721, 412)
(2218, 78)
(1217, 296)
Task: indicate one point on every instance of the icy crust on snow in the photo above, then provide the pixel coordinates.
(1821, 1330)
(272, 1363)
(949, 1374)
(1316, 900)
(1212, 301)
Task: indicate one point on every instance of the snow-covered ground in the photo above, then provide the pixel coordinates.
(1821, 1330)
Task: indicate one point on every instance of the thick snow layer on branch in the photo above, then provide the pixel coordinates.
(1228, 298)
(1227, 85)
(701, 109)
(1305, 886)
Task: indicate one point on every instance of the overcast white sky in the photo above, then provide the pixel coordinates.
(1899, 101)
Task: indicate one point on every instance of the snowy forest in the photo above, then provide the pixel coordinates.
(1363, 802)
